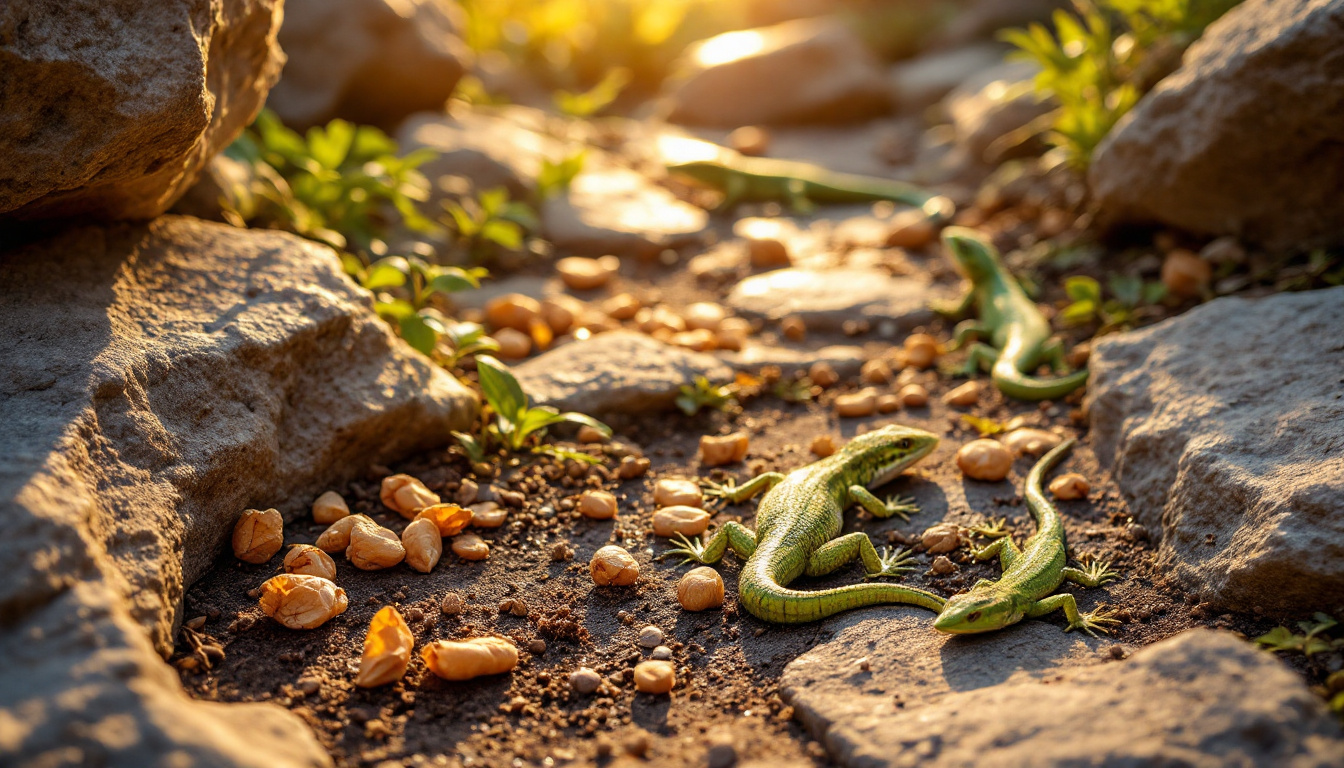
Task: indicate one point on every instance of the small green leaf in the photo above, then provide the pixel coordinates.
(452, 280)
(386, 273)
(1127, 289)
(503, 233)
(565, 453)
(419, 333)
(985, 427)
(1083, 288)
(1078, 313)
(501, 389)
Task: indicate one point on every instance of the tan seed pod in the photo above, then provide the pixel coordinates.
(888, 403)
(450, 519)
(488, 514)
(913, 396)
(337, 536)
(584, 274)
(985, 460)
(423, 544)
(612, 565)
(861, 403)
(310, 561)
(258, 535)
(513, 345)
(301, 602)
(670, 492)
(406, 495)
(700, 589)
(943, 566)
(512, 310)
(1070, 486)
(632, 467)
(1031, 442)
(329, 507)
(793, 328)
(655, 677)
(964, 396)
(823, 374)
(597, 505)
(943, 537)
(822, 446)
(716, 450)
(387, 649)
(475, 657)
(469, 546)
(689, 521)
(920, 350)
(591, 435)
(373, 547)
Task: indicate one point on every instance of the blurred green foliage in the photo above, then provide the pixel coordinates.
(1102, 58)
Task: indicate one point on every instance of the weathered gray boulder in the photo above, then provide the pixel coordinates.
(1202, 698)
(805, 71)
(1246, 138)
(920, 82)
(489, 148)
(1223, 427)
(826, 299)
(368, 61)
(615, 371)
(159, 380)
(111, 108)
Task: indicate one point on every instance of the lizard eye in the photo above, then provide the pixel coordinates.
(974, 616)
(904, 443)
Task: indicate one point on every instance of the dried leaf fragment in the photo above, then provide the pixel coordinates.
(258, 535)
(450, 519)
(387, 649)
(301, 602)
(475, 657)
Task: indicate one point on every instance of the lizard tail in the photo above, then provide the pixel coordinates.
(1020, 386)
(765, 599)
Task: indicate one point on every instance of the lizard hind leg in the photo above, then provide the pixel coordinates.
(732, 535)
(839, 551)
(898, 506)
(1093, 575)
(981, 357)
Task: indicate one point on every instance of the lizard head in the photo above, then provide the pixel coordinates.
(976, 611)
(973, 256)
(878, 456)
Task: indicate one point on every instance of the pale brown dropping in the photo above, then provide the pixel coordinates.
(373, 548)
(597, 505)
(1069, 487)
(329, 507)
(465, 659)
(337, 536)
(488, 514)
(985, 460)
(822, 446)
(613, 566)
(966, 395)
(670, 492)
(310, 561)
(301, 602)
(423, 544)
(1030, 441)
(406, 495)
(387, 649)
(258, 535)
(943, 537)
(469, 546)
(655, 677)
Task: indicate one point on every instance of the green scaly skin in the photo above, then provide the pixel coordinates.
(803, 185)
(1020, 336)
(798, 527)
(1030, 574)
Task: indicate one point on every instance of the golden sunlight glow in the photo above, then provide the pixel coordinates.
(679, 149)
(729, 46)
(760, 229)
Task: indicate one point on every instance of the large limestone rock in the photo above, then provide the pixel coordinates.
(615, 371)
(1202, 698)
(111, 107)
(825, 299)
(806, 71)
(368, 61)
(158, 380)
(1223, 429)
(1246, 138)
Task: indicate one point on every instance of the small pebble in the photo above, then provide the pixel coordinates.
(670, 492)
(718, 450)
(536, 646)
(656, 677)
(662, 653)
(942, 566)
(823, 374)
(858, 404)
(1070, 486)
(700, 589)
(920, 350)
(822, 446)
(793, 328)
(597, 505)
(453, 603)
(1031, 441)
(650, 637)
(913, 396)
(966, 395)
(613, 566)
(985, 460)
(582, 274)
(584, 680)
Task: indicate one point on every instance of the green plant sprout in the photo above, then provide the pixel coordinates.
(491, 218)
(705, 394)
(1131, 294)
(466, 339)
(555, 177)
(1313, 639)
(337, 184)
(515, 419)
(595, 99)
(417, 282)
(1102, 58)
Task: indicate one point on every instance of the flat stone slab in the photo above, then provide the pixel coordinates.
(615, 371)
(612, 210)
(845, 359)
(159, 380)
(825, 299)
(1202, 698)
(1223, 427)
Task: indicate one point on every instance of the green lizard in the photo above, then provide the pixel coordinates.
(1030, 574)
(798, 525)
(1020, 334)
(802, 185)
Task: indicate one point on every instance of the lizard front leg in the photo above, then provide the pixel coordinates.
(842, 550)
(967, 330)
(740, 493)
(1052, 352)
(1091, 623)
(1094, 575)
(1005, 549)
(955, 309)
(898, 506)
(980, 357)
(732, 535)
